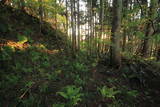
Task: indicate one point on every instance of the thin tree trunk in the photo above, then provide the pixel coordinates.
(78, 19)
(66, 17)
(40, 14)
(91, 27)
(125, 9)
(101, 26)
(73, 27)
(158, 53)
(124, 40)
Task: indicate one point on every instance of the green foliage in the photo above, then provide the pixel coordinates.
(17, 67)
(30, 40)
(58, 105)
(117, 103)
(8, 49)
(12, 79)
(39, 58)
(112, 80)
(28, 32)
(79, 81)
(6, 53)
(27, 69)
(30, 102)
(29, 84)
(44, 88)
(22, 39)
(34, 65)
(140, 35)
(132, 93)
(128, 96)
(35, 55)
(157, 38)
(52, 76)
(72, 94)
(79, 67)
(3, 27)
(128, 55)
(45, 61)
(108, 92)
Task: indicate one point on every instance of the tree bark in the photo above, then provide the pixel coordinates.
(101, 16)
(40, 14)
(158, 54)
(66, 15)
(78, 22)
(73, 26)
(149, 29)
(125, 9)
(115, 34)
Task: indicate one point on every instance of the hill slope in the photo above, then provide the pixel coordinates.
(15, 23)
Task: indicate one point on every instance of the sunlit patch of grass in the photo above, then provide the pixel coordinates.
(150, 58)
(23, 46)
(17, 45)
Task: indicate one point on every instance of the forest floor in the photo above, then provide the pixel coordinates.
(35, 71)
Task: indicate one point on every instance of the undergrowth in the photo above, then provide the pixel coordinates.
(34, 78)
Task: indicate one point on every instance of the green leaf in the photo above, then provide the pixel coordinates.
(63, 94)
(133, 93)
(22, 39)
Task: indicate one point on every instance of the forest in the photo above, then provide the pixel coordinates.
(79, 53)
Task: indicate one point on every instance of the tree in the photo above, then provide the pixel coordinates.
(143, 3)
(158, 53)
(101, 16)
(125, 9)
(73, 26)
(115, 34)
(150, 28)
(78, 22)
(40, 14)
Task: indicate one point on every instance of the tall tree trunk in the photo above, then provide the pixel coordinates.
(149, 29)
(73, 26)
(125, 9)
(91, 26)
(66, 15)
(115, 34)
(101, 25)
(55, 16)
(78, 22)
(40, 14)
